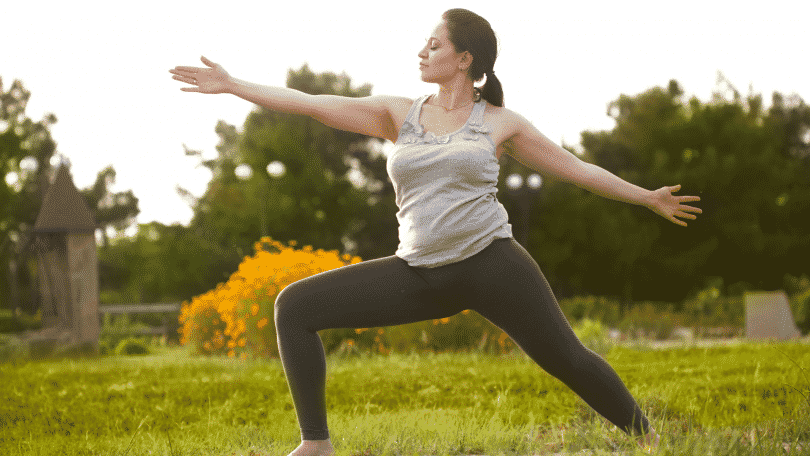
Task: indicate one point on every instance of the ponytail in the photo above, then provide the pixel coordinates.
(492, 91)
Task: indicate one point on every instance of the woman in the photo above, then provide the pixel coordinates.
(456, 247)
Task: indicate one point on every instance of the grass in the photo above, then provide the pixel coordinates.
(749, 399)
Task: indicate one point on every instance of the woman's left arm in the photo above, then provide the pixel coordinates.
(530, 147)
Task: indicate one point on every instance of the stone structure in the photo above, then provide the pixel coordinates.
(768, 315)
(64, 240)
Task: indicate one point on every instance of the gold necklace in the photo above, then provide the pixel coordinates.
(457, 107)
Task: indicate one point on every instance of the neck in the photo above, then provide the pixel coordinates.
(454, 93)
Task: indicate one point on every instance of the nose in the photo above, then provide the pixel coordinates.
(423, 53)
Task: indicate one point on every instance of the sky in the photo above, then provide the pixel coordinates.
(103, 68)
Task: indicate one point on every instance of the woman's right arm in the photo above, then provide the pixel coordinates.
(370, 116)
(377, 115)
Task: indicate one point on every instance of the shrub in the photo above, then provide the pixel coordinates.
(647, 319)
(237, 317)
(115, 329)
(131, 346)
(12, 348)
(105, 348)
(710, 306)
(598, 308)
(798, 288)
(594, 336)
(20, 323)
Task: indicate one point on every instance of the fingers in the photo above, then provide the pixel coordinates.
(184, 79)
(685, 215)
(690, 209)
(189, 69)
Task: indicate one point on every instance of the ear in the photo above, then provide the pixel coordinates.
(466, 61)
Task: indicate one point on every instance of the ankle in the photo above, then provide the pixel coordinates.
(327, 442)
(651, 439)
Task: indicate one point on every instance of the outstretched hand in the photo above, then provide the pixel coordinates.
(669, 206)
(208, 80)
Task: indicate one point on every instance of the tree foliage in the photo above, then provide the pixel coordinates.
(749, 166)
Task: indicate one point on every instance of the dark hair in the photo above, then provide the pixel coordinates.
(472, 33)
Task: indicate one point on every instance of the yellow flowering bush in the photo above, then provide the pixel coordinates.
(236, 318)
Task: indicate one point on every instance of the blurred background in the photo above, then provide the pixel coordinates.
(709, 95)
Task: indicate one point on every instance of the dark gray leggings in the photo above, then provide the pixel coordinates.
(503, 283)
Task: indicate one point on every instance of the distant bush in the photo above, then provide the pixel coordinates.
(116, 328)
(711, 306)
(11, 348)
(105, 348)
(132, 346)
(597, 308)
(798, 289)
(594, 335)
(651, 320)
(22, 322)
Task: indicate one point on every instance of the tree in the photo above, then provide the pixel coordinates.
(111, 209)
(749, 167)
(161, 264)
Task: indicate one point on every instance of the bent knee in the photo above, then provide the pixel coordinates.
(286, 301)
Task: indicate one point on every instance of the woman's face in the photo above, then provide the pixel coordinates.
(440, 62)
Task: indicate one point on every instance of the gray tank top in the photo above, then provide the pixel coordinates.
(445, 190)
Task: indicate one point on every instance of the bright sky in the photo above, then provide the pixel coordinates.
(102, 68)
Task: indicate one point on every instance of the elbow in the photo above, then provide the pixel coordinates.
(585, 175)
(310, 105)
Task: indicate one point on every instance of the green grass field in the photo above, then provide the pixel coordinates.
(750, 399)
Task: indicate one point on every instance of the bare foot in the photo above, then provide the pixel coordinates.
(314, 448)
(650, 441)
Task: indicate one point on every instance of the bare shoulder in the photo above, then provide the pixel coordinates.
(397, 102)
(505, 122)
(398, 107)
(512, 119)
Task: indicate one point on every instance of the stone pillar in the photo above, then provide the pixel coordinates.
(65, 244)
(768, 316)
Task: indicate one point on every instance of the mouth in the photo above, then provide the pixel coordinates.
(422, 66)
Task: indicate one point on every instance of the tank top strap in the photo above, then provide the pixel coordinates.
(416, 107)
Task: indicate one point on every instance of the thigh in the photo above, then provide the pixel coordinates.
(515, 296)
(380, 292)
